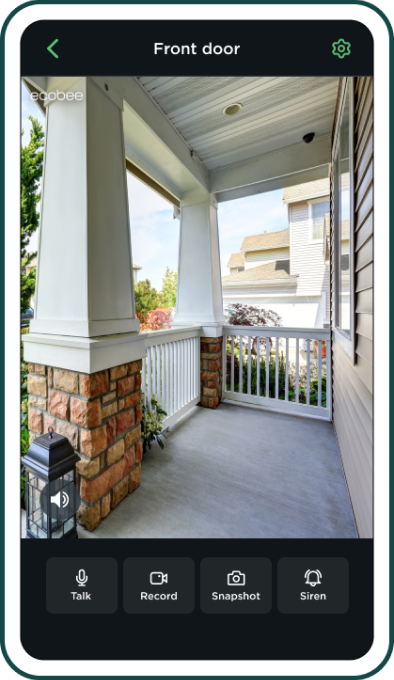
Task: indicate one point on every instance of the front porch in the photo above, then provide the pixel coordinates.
(238, 472)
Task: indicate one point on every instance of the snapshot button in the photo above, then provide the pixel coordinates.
(313, 585)
(158, 585)
(236, 585)
(82, 585)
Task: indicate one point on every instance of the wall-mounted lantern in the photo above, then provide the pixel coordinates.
(52, 498)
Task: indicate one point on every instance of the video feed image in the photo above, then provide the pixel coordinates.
(196, 308)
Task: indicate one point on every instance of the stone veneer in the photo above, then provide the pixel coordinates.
(211, 372)
(100, 414)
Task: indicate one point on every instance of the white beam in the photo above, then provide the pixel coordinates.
(321, 172)
(157, 123)
(271, 166)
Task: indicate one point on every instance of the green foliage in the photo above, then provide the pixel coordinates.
(152, 418)
(31, 171)
(169, 290)
(24, 424)
(146, 299)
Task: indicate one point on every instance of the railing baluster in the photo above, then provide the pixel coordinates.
(183, 373)
(319, 373)
(144, 380)
(171, 396)
(149, 375)
(158, 371)
(258, 366)
(277, 369)
(154, 372)
(231, 365)
(287, 371)
(188, 371)
(308, 371)
(241, 364)
(191, 368)
(267, 367)
(176, 376)
(166, 375)
(249, 365)
(297, 394)
(328, 376)
(198, 366)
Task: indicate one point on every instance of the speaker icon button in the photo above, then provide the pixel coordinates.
(61, 499)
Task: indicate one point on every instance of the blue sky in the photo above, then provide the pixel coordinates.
(154, 232)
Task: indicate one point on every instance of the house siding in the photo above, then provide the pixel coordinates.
(307, 258)
(254, 258)
(352, 384)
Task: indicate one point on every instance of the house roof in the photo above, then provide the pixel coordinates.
(307, 190)
(136, 266)
(236, 260)
(280, 269)
(271, 240)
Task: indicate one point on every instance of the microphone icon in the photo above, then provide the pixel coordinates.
(82, 578)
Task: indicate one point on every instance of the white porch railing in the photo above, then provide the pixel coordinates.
(297, 377)
(171, 370)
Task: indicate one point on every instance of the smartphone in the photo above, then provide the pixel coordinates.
(195, 304)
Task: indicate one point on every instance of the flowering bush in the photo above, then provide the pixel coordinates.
(152, 419)
(156, 320)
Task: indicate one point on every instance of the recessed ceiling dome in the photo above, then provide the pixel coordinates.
(232, 109)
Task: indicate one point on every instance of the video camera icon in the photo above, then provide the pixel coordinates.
(157, 578)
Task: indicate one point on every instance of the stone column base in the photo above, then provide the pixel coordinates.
(100, 414)
(211, 372)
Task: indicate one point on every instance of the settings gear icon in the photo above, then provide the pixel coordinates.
(341, 48)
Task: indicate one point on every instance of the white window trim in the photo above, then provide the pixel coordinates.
(321, 199)
(346, 340)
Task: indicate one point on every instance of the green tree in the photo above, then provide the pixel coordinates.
(170, 283)
(146, 299)
(31, 171)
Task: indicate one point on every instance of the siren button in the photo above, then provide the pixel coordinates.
(313, 585)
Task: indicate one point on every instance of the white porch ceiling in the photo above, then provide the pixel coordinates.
(176, 132)
(276, 113)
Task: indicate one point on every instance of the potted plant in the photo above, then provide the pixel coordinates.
(151, 425)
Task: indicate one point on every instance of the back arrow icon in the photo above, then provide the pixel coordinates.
(51, 50)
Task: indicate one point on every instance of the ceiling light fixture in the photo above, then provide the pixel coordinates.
(232, 109)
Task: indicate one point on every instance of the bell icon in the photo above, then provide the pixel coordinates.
(312, 577)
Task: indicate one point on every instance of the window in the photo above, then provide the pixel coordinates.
(241, 269)
(343, 225)
(319, 211)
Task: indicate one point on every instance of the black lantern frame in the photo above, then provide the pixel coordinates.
(50, 457)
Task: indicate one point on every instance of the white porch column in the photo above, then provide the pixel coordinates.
(84, 284)
(199, 298)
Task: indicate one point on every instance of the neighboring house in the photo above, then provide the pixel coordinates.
(288, 271)
(136, 267)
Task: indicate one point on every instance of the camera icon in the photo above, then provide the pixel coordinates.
(157, 578)
(236, 578)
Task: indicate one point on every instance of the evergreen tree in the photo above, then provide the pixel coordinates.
(146, 299)
(170, 284)
(31, 170)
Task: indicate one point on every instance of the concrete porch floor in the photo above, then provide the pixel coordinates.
(238, 473)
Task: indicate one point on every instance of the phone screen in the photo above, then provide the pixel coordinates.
(197, 330)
